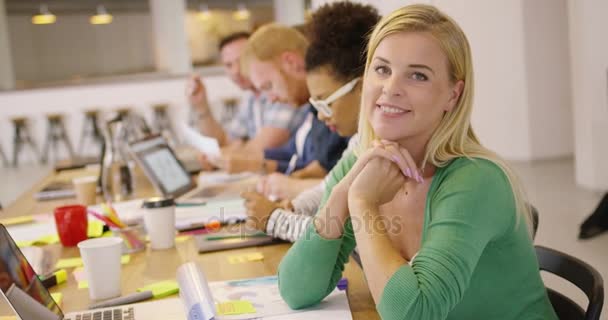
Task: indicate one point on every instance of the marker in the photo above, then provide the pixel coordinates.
(58, 277)
(131, 298)
(189, 204)
(236, 236)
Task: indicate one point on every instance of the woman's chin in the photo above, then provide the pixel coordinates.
(389, 133)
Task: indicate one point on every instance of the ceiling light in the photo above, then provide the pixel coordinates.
(44, 17)
(102, 16)
(241, 13)
(203, 13)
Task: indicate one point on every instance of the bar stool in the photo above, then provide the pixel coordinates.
(162, 122)
(90, 130)
(135, 125)
(55, 134)
(3, 156)
(22, 137)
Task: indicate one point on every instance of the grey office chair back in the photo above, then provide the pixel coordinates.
(579, 273)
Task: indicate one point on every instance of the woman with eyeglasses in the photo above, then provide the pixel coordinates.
(439, 221)
(334, 63)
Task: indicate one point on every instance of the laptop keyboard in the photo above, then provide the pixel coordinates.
(112, 314)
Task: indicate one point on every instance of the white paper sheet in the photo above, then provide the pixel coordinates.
(207, 145)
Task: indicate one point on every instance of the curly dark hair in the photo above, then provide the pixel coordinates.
(338, 34)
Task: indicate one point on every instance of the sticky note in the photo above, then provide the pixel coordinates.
(68, 263)
(161, 289)
(8, 318)
(230, 308)
(58, 297)
(247, 257)
(181, 239)
(84, 284)
(42, 241)
(77, 262)
(23, 244)
(17, 220)
(107, 234)
(95, 229)
(50, 239)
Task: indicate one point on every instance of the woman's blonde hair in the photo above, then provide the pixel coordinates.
(454, 137)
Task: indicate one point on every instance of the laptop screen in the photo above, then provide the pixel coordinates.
(161, 166)
(20, 284)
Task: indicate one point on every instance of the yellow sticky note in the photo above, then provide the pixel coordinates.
(8, 318)
(181, 239)
(84, 284)
(58, 297)
(230, 308)
(50, 239)
(68, 263)
(107, 234)
(23, 244)
(95, 229)
(77, 262)
(247, 257)
(161, 289)
(17, 220)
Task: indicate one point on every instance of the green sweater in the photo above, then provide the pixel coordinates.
(476, 261)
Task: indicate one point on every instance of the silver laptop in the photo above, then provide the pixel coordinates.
(30, 300)
(165, 171)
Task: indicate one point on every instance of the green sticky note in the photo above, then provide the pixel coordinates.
(230, 308)
(84, 284)
(161, 289)
(95, 229)
(58, 297)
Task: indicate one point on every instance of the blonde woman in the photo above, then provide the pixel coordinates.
(438, 219)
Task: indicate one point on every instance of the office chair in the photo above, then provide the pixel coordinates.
(579, 273)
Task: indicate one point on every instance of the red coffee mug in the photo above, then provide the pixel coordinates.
(72, 223)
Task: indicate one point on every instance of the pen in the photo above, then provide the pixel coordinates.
(131, 298)
(236, 236)
(58, 277)
(190, 204)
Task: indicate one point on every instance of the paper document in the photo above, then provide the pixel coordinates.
(262, 294)
(220, 210)
(204, 144)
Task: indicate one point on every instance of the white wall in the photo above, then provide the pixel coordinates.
(72, 46)
(548, 73)
(72, 101)
(289, 12)
(171, 50)
(7, 76)
(589, 51)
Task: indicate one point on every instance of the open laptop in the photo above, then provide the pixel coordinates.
(30, 300)
(169, 175)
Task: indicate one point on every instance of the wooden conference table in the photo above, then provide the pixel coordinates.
(150, 266)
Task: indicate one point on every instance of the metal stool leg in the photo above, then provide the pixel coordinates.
(3, 156)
